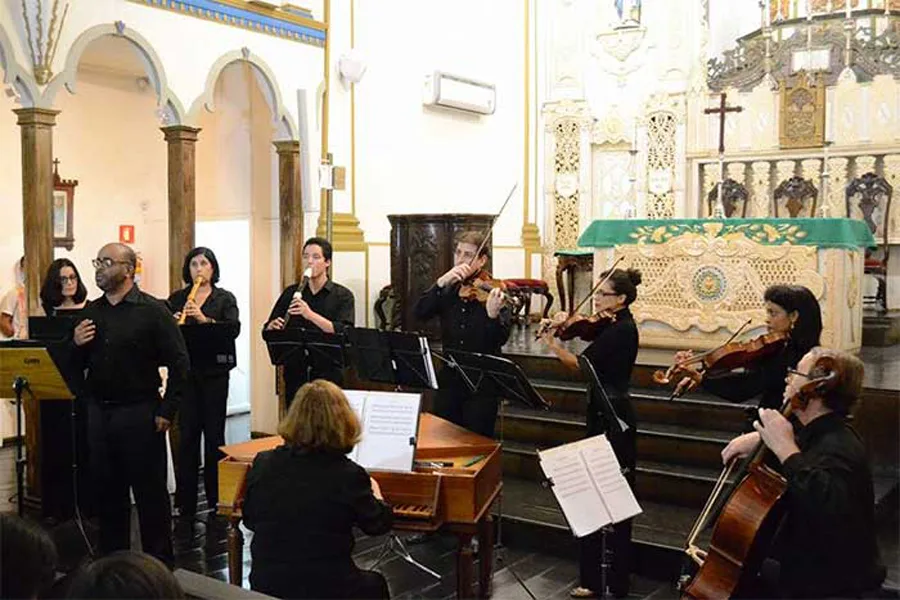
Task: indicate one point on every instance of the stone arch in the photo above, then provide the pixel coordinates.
(171, 111)
(14, 75)
(265, 78)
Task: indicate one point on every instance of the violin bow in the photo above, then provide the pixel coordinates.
(596, 287)
(488, 232)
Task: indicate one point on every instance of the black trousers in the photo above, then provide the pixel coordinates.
(618, 540)
(202, 413)
(456, 403)
(128, 453)
(297, 582)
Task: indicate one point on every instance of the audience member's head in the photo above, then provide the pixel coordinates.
(125, 574)
(320, 418)
(28, 558)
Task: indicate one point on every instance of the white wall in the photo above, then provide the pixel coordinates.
(107, 137)
(413, 159)
(11, 244)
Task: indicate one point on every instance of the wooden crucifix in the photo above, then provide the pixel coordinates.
(722, 110)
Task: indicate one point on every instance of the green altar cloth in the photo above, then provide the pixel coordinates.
(824, 233)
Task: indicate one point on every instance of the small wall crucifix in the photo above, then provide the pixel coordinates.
(722, 111)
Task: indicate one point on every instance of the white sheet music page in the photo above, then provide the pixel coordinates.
(607, 475)
(576, 494)
(390, 422)
(357, 401)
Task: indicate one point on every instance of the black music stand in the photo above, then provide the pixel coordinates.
(210, 345)
(314, 349)
(606, 406)
(404, 360)
(500, 376)
(396, 357)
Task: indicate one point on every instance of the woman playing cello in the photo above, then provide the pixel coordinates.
(612, 353)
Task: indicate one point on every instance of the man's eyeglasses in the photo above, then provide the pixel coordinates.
(799, 374)
(105, 263)
(67, 278)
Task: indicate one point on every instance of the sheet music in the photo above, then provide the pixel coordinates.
(390, 423)
(588, 485)
(607, 475)
(429, 364)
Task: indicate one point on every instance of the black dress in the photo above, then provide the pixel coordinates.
(465, 326)
(612, 354)
(765, 380)
(204, 408)
(334, 302)
(302, 507)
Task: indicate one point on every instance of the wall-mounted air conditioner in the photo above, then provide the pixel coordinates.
(453, 91)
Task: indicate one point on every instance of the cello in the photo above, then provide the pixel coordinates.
(749, 519)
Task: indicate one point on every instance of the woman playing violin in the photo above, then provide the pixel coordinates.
(826, 546)
(612, 354)
(790, 309)
(470, 325)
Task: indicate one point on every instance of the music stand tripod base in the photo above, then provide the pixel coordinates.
(394, 545)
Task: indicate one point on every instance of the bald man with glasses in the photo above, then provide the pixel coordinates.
(125, 337)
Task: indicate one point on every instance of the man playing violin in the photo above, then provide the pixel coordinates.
(470, 326)
(826, 546)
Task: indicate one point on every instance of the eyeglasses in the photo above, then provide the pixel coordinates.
(608, 294)
(67, 278)
(799, 374)
(105, 263)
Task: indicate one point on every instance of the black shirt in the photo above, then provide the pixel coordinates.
(133, 339)
(302, 507)
(220, 306)
(827, 545)
(333, 301)
(465, 324)
(614, 351)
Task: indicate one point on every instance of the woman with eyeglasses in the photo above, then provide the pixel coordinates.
(612, 354)
(790, 309)
(63, 288)
(204, 408)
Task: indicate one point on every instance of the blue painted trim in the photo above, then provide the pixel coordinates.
(230, 15)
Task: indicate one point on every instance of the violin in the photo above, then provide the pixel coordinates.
(579, 326)
(749, 519)
(728, 356)
(479, 287)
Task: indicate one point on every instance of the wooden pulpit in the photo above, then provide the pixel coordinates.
(422, 249)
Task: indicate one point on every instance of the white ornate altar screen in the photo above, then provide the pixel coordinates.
(702, 279)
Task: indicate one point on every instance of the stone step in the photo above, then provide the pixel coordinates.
(659, 442)
(655, 481)
(651, 404)
(531, 518)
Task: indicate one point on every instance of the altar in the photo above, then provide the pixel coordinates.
(704, 278)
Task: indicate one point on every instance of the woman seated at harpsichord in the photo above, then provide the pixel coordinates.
(304, 498)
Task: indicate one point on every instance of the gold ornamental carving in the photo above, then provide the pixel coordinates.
(802, 113)
(708, 282)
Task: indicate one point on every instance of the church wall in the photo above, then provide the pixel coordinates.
(187, 46)
(107, 137)
(416, 159)
(10, 191)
